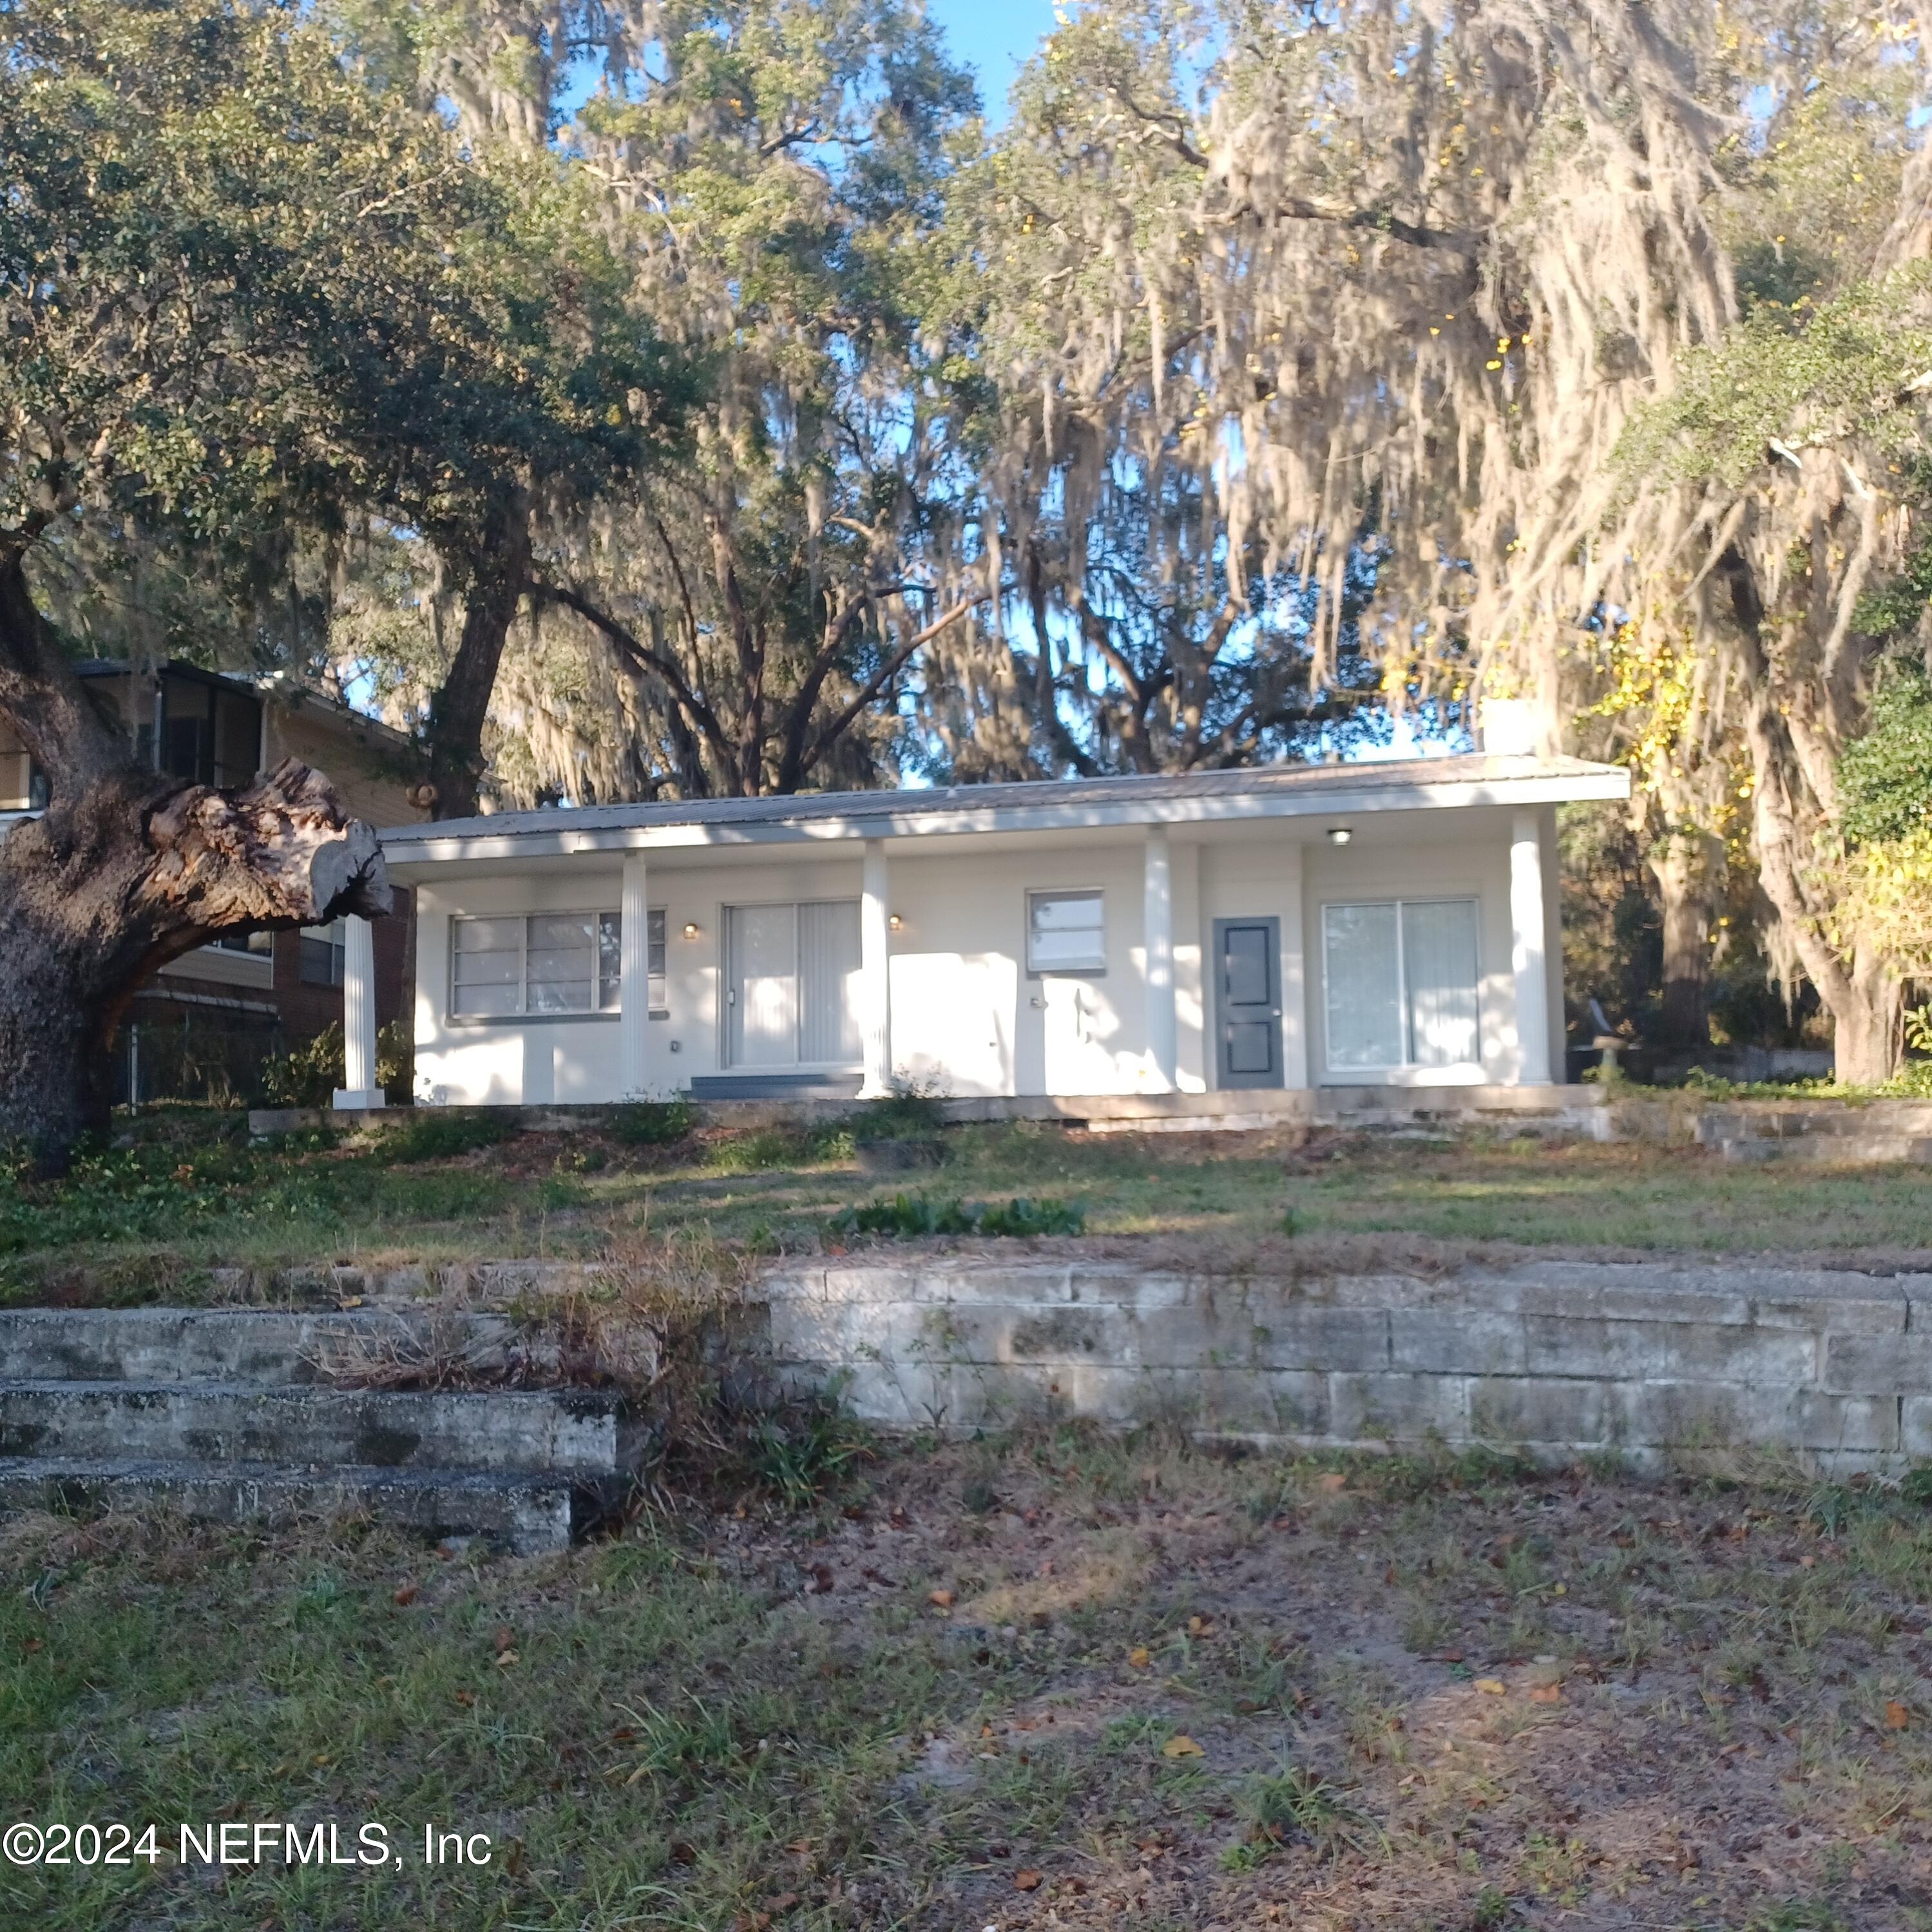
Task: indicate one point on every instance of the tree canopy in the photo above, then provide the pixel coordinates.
(683, 398)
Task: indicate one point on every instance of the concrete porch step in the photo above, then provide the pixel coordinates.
(775, 1087)
(261, 1347)
(580, 1432)
(527, 1513)
(1836, 1149)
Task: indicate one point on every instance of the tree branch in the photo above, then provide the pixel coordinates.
(893, 665)
(641, 654)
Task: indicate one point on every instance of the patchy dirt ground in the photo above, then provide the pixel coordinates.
(1054, 1680)
(1218, 1696)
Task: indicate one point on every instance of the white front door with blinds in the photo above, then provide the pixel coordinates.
(791, 994)
(1400, 986)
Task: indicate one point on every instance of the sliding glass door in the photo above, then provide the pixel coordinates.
(1400, 985)
(791, 993)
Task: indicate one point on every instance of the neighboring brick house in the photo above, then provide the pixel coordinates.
(202, 1027)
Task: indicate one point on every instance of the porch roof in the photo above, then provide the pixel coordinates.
(1193, 798)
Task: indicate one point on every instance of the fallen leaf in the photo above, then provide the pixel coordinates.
(1026, 1881)
(1181, 1745)
(407, 1594)
(1807, 1562)
(784, 1902)
(1546, 1693)
(1897, 1717)
(683, 1854)
(1140, 1657)
(507, 1660)
(1332, 1484)
(505, 1636)
(1490, 1686)
(940, 1600)
(466, 1697)
(32, 1644)
(1200, 1626)
(822, 1579)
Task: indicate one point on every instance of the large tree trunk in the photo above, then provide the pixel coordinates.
(1862, 995)
(1680, 865)
(499, 574)
(132, 870)
(1866, 1026)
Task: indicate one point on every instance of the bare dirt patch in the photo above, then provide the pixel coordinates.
(1216, 1694)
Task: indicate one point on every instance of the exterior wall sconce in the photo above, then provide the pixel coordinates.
(691, 929)
(1339, 835)
(897, 924)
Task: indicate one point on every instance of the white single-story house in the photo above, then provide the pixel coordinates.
(1298, 926)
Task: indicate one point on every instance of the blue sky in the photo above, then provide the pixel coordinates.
(993, 36)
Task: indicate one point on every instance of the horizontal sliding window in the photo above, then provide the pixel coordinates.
(569, 962)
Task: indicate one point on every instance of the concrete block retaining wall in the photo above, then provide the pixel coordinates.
(1653, 1362)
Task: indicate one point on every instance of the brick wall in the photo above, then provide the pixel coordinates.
(307, 1009)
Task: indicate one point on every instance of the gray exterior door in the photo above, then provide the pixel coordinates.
(1247, 1001)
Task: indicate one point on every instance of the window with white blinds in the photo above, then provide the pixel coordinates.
(1400, 985)
(547, 963)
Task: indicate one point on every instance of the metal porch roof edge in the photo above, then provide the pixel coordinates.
(1277, 791)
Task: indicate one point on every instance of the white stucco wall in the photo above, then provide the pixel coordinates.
(1474, 865)
(968, 1018)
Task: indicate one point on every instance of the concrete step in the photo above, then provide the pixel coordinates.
(527, 1514)
(264, 1347)
(586, 1432)
(1838, 1149)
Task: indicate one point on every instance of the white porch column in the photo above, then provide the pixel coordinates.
(358, 1016)
(1158, 933)
(875, 979)
(1527, 952)
(633, 940)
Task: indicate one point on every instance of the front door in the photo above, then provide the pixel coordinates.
(1247, 986)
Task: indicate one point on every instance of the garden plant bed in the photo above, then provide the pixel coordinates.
(1052, 1680)
(189, 1195)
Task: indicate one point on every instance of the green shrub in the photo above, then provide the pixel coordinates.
(653, 1123)
(308, 1074)
(911, 1215)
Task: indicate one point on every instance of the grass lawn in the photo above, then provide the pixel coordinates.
(1048, 1681)
(148, 1219)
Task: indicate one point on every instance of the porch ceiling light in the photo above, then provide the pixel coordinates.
(1339, 835)
(897, 924)
(691, 929)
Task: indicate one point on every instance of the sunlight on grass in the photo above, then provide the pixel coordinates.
(152, 1219)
